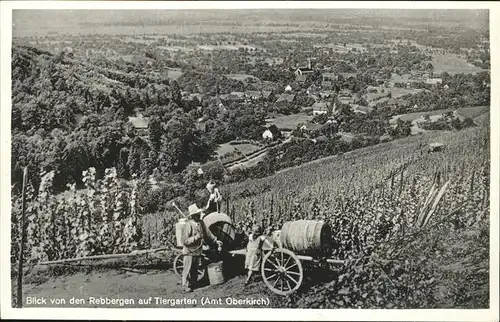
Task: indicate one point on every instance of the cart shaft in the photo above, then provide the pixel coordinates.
(328, 260)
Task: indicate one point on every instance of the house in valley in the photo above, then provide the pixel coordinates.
(201, 126)
(239, 95)
(312, 90)
(271, 133)
(360, 109)
(329, 77)
(267, 135)
(326, 94)
(253, 95)
(229, 97)
(304, 70)
(140, 123)
(347, 76)
(434, 81)
(268, 95)
(345, 96)
(285, 99)
(327, 85)
(301, 78)
(319, 108)
(310, 128)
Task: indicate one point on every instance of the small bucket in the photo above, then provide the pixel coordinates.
(215, 273)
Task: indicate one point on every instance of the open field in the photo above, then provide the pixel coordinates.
(471, 112)
(176, 48)
(289, 121)
(228, 148)
(241, 77)
(342, 48)
(397, 92)
(452, 64)
(370, 97)
(248, 163)
(226, 47)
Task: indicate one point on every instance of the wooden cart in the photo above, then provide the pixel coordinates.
(281, 269)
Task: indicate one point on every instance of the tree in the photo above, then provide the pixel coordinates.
(468, 122)
(176, 93)
(155, 132)
(122, 168)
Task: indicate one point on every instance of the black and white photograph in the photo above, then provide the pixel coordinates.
(273, 156)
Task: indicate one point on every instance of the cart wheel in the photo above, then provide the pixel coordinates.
(179, 265)
(282, 271)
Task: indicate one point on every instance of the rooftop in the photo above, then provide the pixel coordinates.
(286, 97)
(327, 84)
(301, 78)
(139, 122)
(348, 75)
(254, 94)
(320, 105)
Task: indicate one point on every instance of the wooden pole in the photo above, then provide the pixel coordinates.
(108, 256)
(401, 181)
(23, 238)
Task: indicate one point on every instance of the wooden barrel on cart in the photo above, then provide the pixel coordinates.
(215, 273)
(306, 236)
(220, 225)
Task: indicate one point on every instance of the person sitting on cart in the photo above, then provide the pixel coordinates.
(253, 256)
(214, 201)
(194, 236)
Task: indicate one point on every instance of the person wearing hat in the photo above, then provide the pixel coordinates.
(214, 201)
(194, 234)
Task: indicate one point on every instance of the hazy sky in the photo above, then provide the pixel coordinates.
(58, 20)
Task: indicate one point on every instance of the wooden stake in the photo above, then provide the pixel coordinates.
(108, 256)
(472, 183)
(272, 204)
(23, 238)
(401, 181)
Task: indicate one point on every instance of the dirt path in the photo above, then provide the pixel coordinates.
(160, 285)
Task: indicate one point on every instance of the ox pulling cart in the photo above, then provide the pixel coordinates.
(283, 252)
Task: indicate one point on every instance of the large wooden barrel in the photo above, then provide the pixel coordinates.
(221, 227)
(306, 236)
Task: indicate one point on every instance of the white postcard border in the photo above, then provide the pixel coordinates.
(490, 314)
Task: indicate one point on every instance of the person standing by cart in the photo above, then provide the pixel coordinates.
(194, 236)
(253, 257)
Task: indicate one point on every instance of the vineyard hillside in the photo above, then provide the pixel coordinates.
(393, 258)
